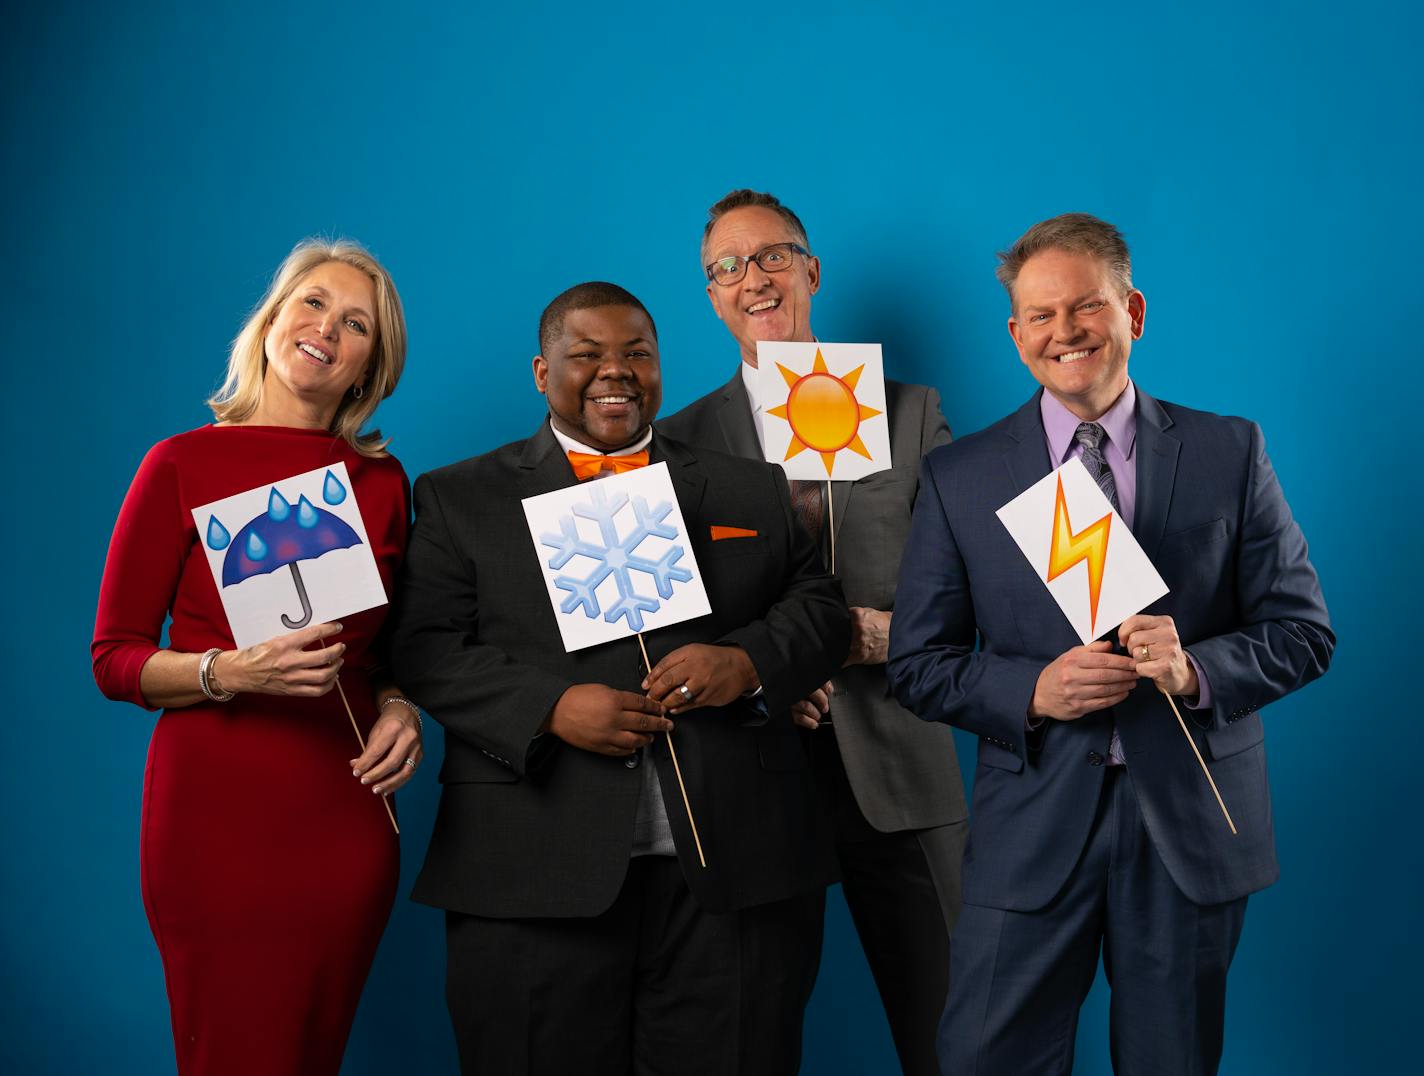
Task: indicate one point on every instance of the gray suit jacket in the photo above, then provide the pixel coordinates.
(904, 771)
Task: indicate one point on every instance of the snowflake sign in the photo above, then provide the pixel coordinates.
(616, 557)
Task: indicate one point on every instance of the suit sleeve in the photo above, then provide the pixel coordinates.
(935, 430)
(475, 690)
(1284, 640)
(935, 668)
(805, 635)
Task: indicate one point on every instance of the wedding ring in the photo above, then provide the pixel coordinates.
(686, 693)
(1145, 653)
(410, 762)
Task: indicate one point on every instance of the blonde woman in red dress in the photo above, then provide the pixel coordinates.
(269, 863)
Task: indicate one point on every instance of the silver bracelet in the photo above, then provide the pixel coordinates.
(419, 724)
(205, 677)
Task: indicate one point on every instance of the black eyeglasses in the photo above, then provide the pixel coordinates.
(772, 259)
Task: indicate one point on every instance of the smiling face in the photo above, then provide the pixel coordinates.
(762, 305)
(319, 343)
(602, 377)
(1074, 328)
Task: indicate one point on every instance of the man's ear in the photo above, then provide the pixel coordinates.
(1014, 333)
(541, 373)
(813, 273)
(712, 298)
(1137, 312)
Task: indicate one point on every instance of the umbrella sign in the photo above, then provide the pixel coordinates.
(290, 553)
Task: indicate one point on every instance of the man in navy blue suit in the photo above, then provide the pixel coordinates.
(1092, 827)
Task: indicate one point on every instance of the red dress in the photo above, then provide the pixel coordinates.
(268, 870)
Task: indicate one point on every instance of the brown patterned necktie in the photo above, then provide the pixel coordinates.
(808, 499)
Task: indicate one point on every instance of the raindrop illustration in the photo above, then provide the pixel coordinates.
(218, 536)
(277, 506)
(306, 514)
(256, 547)
(332, 491)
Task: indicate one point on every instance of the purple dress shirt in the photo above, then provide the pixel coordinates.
(1119, 448)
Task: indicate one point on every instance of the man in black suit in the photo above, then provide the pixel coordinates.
(889, 783)
(583, 932)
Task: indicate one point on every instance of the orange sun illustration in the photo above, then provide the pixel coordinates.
(823, 412)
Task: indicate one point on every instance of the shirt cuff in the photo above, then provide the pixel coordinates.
(1203, 699)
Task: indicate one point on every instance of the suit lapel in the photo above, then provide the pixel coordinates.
(687, 478)
(734, 417)
(841, 492)
(543, 465)
(1157, 452)
(840, 498)
(1041, 622)
(1026, 455)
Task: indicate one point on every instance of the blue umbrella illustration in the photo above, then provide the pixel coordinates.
(284, 536)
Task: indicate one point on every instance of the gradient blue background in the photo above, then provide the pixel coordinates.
(160, 160)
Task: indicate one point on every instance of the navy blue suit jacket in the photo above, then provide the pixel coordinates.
(974, 626)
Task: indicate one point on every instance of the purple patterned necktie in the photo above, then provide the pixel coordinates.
(1090, 436)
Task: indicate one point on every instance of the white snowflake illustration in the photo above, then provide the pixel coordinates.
(616, 557)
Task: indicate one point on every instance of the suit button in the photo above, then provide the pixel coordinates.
(632, 761)
(1094, 759)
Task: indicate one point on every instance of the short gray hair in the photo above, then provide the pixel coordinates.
(1079, 233)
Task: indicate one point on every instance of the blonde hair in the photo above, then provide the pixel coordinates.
(241, 391)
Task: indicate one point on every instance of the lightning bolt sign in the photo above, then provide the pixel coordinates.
(1089, 544)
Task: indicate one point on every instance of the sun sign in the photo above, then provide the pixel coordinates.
(310, 525)
(1082, 551)
(616, 557)
(824, 409)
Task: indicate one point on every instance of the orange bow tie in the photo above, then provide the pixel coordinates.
(586, 465)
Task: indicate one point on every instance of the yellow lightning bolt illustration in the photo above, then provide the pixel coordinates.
(1089, 544)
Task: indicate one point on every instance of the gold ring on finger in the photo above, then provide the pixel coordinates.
(1145, 653)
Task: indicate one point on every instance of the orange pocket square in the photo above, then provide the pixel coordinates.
(718, 533)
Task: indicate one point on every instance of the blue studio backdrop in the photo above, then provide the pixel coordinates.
(160, 159)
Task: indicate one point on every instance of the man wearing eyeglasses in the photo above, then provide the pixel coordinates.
(888, 782)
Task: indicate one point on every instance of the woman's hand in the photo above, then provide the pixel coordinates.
(393, 750)
(283, 665)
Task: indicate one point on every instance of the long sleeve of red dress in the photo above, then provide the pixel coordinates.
(145, 559)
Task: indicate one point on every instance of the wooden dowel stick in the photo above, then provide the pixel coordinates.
(831, 522)
(1200, 761)
(362, 741)
(677, 769)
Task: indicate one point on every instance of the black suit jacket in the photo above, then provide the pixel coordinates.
(534, 827)
(975, 626)
(903, 772)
